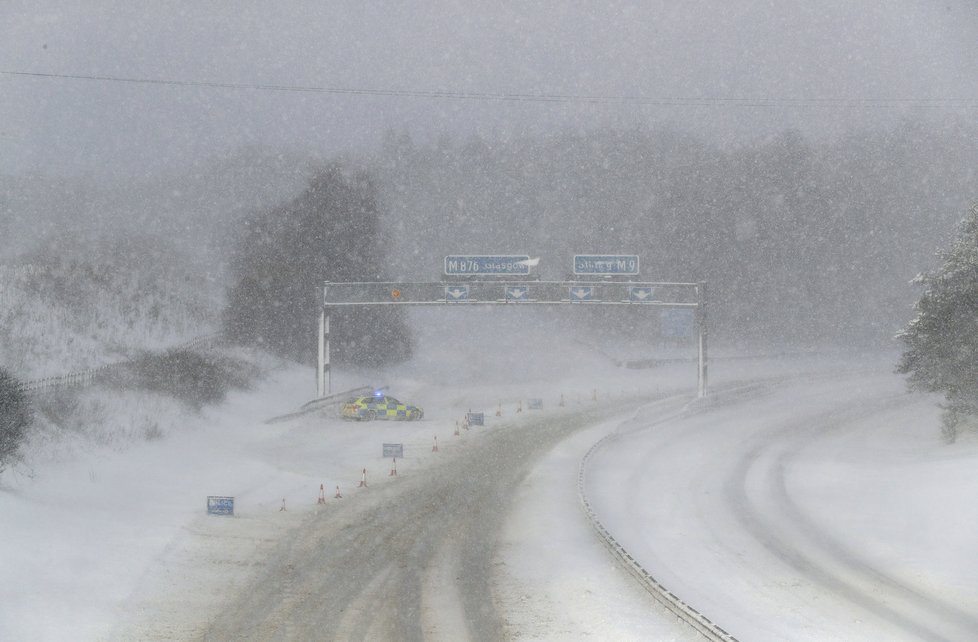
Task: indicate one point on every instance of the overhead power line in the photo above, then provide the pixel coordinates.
(752, 102)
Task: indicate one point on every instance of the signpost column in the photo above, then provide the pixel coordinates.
(323, 384)
(701, 331)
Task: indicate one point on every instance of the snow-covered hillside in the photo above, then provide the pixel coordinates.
(67, 308)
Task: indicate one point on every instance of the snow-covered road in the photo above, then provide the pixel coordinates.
(376, 569)
(815, 504)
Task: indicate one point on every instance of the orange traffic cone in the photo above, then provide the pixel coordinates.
(337, 495)
(393, 468)
(322, 495)
(363, 478)
(434, 448)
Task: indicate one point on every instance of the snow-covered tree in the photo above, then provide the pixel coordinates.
(330, 232)
(942, 341)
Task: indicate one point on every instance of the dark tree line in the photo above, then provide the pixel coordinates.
(330, 232)
(803, 242)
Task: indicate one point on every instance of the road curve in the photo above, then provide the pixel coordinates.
(711, 504)
(408, 560)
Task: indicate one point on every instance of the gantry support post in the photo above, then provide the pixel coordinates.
(702, 334)
(323, 383)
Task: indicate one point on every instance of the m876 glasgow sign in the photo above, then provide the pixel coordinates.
(486, 264)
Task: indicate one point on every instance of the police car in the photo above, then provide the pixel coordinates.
(379, 406)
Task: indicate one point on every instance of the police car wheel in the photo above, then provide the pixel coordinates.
(370, 416)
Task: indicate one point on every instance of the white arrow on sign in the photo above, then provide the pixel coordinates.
(457, 293)
(529, 262)
(516, 293)
(581, 293)
(641, 294)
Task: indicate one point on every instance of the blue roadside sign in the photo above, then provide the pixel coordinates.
(676, 323)
(476, 418)
(217, 505)
(394, 450)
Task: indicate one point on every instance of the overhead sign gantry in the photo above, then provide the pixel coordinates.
(481, 280)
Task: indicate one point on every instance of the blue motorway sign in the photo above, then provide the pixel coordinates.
(393, 450)
(486, 264)
(640, 294)
(476, 418)
(676, 322)
(456, 293)
(220, 505)
(602, 264)
(581, 293)
(534, 404)
(517, 293)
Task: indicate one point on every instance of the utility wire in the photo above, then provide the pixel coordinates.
(519, 97)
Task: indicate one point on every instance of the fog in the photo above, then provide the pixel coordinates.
(175, 174)
(729, 69)
(784, 151)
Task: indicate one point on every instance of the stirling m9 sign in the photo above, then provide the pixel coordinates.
(483, 265)
(606, 264)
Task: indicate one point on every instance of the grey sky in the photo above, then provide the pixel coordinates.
(683, 49)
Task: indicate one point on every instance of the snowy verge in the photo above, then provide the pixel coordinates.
(670, 409)
(826, 508)
(554, 578)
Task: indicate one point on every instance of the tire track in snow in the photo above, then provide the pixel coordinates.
(757, 490)
(359, 571)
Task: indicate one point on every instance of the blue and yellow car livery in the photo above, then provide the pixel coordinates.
(379, 406)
